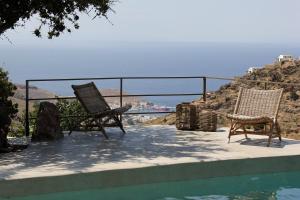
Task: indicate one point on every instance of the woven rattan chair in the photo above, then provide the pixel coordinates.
(256, 108)
(99, 113)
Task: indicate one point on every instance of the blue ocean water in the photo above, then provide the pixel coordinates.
(139, 59)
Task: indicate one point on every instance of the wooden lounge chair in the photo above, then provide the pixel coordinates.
(99, 113)
(256, 108)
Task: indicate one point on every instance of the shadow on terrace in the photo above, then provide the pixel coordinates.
(141, 146)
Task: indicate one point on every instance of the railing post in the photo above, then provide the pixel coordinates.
(121, 95)
(27, 109)
(265, 85)
(204, 88)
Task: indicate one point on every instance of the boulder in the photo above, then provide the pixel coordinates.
(48, 123)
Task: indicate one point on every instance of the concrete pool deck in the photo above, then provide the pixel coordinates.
(142, 146)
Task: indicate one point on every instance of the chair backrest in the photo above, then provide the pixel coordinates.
(90, 98)
(252, 102)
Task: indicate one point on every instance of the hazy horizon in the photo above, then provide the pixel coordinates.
(230, 21)
(159, 38)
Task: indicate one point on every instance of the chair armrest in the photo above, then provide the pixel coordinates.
(115, 111)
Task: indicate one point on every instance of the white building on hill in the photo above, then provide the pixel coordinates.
(251, 70)
(285, 58)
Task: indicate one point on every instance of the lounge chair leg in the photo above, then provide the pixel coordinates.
(104, 133)
(117, 120)
(124, 132)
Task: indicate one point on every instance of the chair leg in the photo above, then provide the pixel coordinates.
(121, 127)
(244, 129)
(270, 135)
(99, 122)
(104, 133)
(230, 131)
(269, 140)
(117, 120)
(278, 131)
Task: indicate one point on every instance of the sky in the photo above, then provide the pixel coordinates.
(144, 21)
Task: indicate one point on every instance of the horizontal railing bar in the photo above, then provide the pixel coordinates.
(112, 78)
(129, 95)
(220, 78)
(128, 113)
(142, 113)
(178, 94)
(158, 77)
(148, 95)
(51, 98)
(163, 77)
(70, 79)
(56, 98)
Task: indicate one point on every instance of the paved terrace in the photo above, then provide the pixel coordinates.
(141, 146)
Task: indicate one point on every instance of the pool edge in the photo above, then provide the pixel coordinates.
(145, 175)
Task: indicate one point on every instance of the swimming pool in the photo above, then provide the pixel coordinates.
(211, 181)
(282, 186)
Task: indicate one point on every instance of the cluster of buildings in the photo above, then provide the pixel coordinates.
(280, 58)
(142, 106)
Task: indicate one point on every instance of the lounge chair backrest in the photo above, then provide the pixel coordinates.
(252, 102)
(90, 98)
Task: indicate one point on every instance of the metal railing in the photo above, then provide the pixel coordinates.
(121, 95)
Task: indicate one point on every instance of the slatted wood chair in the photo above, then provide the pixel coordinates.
(254, 108)
(99, 113)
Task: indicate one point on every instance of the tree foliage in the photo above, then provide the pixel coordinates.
(70, 108)
(58, 15)
(8, 109)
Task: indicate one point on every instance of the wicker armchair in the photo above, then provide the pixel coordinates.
(256, 108)
(99, 113)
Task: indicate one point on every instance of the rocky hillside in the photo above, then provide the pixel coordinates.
(223, 100)
(34, 92)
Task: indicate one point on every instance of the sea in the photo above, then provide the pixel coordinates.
(139, 59)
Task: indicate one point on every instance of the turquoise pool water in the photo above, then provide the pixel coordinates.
(282, 186)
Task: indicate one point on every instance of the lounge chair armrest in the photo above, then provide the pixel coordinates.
(116, 111)
(122, 109)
